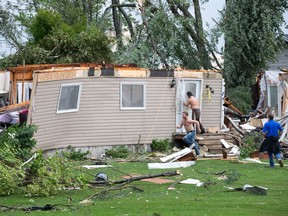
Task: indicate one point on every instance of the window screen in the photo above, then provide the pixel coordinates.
(69, 98)
(132, 95)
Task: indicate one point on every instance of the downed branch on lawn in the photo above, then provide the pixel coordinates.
(136, 178)
(47, 207)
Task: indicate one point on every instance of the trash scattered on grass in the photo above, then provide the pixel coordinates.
(258, 190)
(196, 182)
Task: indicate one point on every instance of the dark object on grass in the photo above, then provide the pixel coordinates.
(47, 207)
(100, 163)
(100, 177)
(251, 189)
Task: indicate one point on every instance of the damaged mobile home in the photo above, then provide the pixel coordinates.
(95, 107)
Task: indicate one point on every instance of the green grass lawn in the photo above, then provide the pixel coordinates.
(184, 200)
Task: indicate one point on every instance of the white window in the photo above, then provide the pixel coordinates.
(69, 98)
(273, 99)
(133, 95)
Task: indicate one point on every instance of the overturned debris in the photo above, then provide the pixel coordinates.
(250, 189)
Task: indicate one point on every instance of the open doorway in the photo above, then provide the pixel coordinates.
(183, 86)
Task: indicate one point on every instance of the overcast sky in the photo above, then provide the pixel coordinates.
(209, 10)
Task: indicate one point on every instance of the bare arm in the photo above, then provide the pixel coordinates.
(186, 104)
(195, 122)
(180, 125)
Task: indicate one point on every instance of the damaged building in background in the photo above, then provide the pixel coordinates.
(98, 106)
(95, 106)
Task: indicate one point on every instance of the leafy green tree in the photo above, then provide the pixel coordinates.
(20, 138)
(54, 41)
(169, 36)
(8, 28)
(253, 37)
(154, 34)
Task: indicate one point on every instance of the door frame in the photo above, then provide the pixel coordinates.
(181, 89)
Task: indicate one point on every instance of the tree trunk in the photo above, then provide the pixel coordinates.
(117, 23)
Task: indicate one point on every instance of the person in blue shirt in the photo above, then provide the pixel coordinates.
(271, 143)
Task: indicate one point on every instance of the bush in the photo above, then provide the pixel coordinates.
(160, 145)
(21, 139)
(252, 141)
(72, 154)
(117, 152)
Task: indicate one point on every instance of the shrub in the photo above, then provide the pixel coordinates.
(21, 139)
(160, 145)
(72, 154)
(252, 142)
(117, 152)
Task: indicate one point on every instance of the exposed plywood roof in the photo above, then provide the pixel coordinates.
(34, 67)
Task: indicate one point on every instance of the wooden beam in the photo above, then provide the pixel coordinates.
(15, 107)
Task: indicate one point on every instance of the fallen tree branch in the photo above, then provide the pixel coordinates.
(47, 207)
(28, 161)
(136, 178)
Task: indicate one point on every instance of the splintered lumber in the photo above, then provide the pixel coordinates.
(231, 106)
(15, 107)
(226, 145)
(234, 125)
(176, 155)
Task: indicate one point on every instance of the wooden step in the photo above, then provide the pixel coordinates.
(210, 140)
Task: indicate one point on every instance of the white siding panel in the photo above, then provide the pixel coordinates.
(100, 121)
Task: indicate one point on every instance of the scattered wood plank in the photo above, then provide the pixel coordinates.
(15, 107)
(176, 155)
(179, 164)
(226, 145)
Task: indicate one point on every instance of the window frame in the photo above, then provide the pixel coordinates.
(278, 102)
(143, 84)
(78, 99)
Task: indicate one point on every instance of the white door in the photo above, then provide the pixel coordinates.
(183, 86)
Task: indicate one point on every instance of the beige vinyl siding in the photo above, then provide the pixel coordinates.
(100, 122)
(211, 110)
